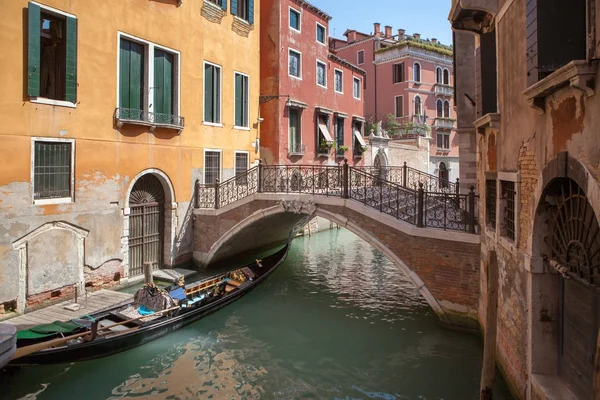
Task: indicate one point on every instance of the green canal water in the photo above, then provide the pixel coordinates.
(336, 321)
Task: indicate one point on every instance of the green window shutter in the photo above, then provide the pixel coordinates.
(239, 113)
(246, 109)
(251, 11)
(163, 82)
(33, 50)
(208, 92)
(217, 88)
(71, 62)
(124, 72)
(224, 5)
(131, 75)
(234, 7)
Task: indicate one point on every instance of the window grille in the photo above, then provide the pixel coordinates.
(212, 167)
(241, 166)
(508, 196)
(490, 202)
(52, 170)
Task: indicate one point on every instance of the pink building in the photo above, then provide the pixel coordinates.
(410, 81)
(311, 101)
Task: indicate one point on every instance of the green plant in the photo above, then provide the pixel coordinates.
(325, 146)
(343, 148)
(364, 148)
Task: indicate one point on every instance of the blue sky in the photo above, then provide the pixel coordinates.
(427, 17)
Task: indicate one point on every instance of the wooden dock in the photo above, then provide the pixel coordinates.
(95, 301)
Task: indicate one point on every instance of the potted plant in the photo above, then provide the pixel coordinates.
(343, 148)
(325, 146)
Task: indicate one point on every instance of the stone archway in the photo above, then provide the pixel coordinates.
(565, 278)
(150, 222)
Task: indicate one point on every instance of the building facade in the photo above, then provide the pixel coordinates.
(311, 101)
(538, 166)
(111, 112)
(409, 88)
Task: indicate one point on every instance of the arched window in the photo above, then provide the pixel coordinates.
(446, 109)
(440, 109)
(417, 105)
(438, 75)
(443, 175)
(446, 77)
(417, 72)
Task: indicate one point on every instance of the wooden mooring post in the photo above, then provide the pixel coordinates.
(148, 278)
(488, 369)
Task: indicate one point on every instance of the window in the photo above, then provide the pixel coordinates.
(486, 91)
(241, 100)
(339, 135)
(241, 167)
(295, 19)
(508, 207)
(295, 64)
(399, 106)
(338, 81)
(446, 109)
(398, 72)
(557, 35)
(212, 93)
(417, 108)
(417, 72)
(356, 88)
(443, 141)
(212, 166)
(320, 33)
(358, 143)
(443, 175)
(51, 54)
(52, 169)
(321, 74)
(360, 57)
(295, 131)
(439, 108)
(324, 138)
(446, 77)
(490, 202)
(438, 75)
(139, 99)
(243, 9)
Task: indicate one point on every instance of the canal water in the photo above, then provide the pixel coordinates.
(336, 321)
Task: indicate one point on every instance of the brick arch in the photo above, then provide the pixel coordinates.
(300, 215)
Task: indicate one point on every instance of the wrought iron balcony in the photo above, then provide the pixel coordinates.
(444, 123)
(296, 149)
(134, 116)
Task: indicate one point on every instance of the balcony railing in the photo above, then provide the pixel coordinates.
(153, 120)
(444, 123)
(296, 149)
(444, 90)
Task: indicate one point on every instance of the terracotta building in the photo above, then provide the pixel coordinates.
(409, 81)
(535, 78)
(110, 114)
(311, 100)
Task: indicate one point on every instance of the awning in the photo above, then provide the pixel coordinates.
(325, 132)
(359, 137)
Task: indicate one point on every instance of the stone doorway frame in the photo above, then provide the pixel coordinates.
(170, 219)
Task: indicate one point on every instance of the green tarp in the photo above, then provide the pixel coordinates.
(46, 330)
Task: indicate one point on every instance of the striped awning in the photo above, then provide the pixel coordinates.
(325, 132)
(359, 137)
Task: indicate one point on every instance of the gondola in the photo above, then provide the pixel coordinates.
(129, 325)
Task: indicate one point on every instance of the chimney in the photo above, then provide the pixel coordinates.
(433, 40)
(417, 35)
(377, 28)
(388, 31)
(401, 36)
(351, 36)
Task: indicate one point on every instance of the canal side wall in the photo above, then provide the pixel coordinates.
(444, 266)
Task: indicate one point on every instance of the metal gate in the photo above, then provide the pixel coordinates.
(146, 224)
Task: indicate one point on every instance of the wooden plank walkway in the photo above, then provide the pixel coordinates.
(96, 301)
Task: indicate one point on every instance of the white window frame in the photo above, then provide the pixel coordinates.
(415, 102)
(442, 148)
(290, 49)
(220, 123)
(317, 73)
(441, 81)
(59, 200)
(220, 151)
(299, 12)
(444, 109)
(420, 72)
(235, 153)
(243, 128)
(354, 80)
(149, 71)
(396, 106)
(358, 58)
(324, 43)
(299, 111)
(341, 80)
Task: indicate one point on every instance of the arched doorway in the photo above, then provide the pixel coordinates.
(146, 224)
(443, 174)
(380, 166)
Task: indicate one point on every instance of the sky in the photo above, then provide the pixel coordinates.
(427, 17)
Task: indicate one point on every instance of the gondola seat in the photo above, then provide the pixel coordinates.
(107, 322)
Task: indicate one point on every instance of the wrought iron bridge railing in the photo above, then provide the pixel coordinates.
(390, 190)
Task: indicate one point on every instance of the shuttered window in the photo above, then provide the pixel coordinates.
(163, 82)
(220, 3)
(212, 93)
(295, 144)
(241, 100)
(131, 79)
(243, 9)
(51, 55)
(360, 57)
(399, 106)
(398, 72)
(52, 170)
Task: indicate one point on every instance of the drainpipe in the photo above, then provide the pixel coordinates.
(375, 80)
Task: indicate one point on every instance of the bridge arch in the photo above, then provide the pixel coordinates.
(291, 216)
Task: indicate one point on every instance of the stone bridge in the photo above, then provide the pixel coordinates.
(428, 235)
